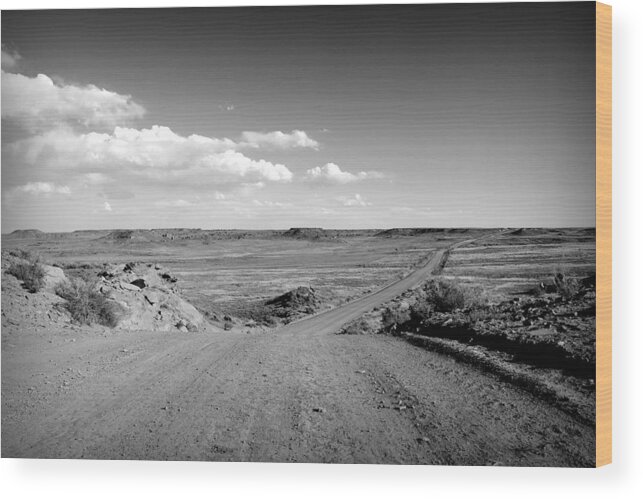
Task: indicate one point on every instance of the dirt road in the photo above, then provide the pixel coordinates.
(297, 394)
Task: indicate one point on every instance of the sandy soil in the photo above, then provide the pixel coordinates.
(297, 394)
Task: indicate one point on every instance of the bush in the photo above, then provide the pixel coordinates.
(394, 315)
(30, 272)
(447, 296)
(88, 306)
(566, 287)
(359, 326)
(24, 254)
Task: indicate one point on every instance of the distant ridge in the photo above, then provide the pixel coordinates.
(306, 233)
(418, 230)
(26, 234)
(126, 236)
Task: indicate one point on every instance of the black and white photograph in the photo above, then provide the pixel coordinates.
(352, 234)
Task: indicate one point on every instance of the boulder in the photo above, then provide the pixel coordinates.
(54, 276)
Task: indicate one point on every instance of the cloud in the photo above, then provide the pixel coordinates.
(42, 188)
(272, 204)
(177, 203)
(10, 58)
(95, 178)
(38, 103)
(333, 174)
(156, 154)
(82, 136)
(297, 139)
(356, 200)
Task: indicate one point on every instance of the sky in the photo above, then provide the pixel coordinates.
(470, 115)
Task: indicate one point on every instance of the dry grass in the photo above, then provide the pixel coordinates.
(88, 306)
(449, 295)
(566, 286)
(29, 271)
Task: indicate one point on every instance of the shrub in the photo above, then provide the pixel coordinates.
(30, 272)
(447, 296)
(394, 315)
(566, 286)
(24, 254)
(420, 311)
(358, 326)
(86, 305)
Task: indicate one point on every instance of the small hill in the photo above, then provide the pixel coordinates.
(416, 231)
(396, 232)
(146, 296)
(305, 233)
(149, 298)
(126, 237)
(26, 234)
(301, 300)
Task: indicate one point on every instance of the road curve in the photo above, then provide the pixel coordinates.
(332, 320)
(297, 394)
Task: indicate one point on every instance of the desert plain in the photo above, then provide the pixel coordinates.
(392, 346)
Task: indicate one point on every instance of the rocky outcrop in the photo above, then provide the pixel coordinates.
(26, 234)
(149, 298)
(299, 301)
(305, 233)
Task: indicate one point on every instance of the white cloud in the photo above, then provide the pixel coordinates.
(9, 58)
(296, 139)
(95, 178)
(177, 203)
(115, 160)
(356, 200)
(333, 174)
(272, 204)
(42, 188)
(39, 102)
(156, 154)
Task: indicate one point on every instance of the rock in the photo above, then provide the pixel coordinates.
(54, 276)
(140, 283)
(168, 277)
(129, 287)
(152, 297)
(299, 300)
(147, 300)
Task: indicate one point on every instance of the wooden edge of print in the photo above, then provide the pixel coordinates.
(603, 234)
